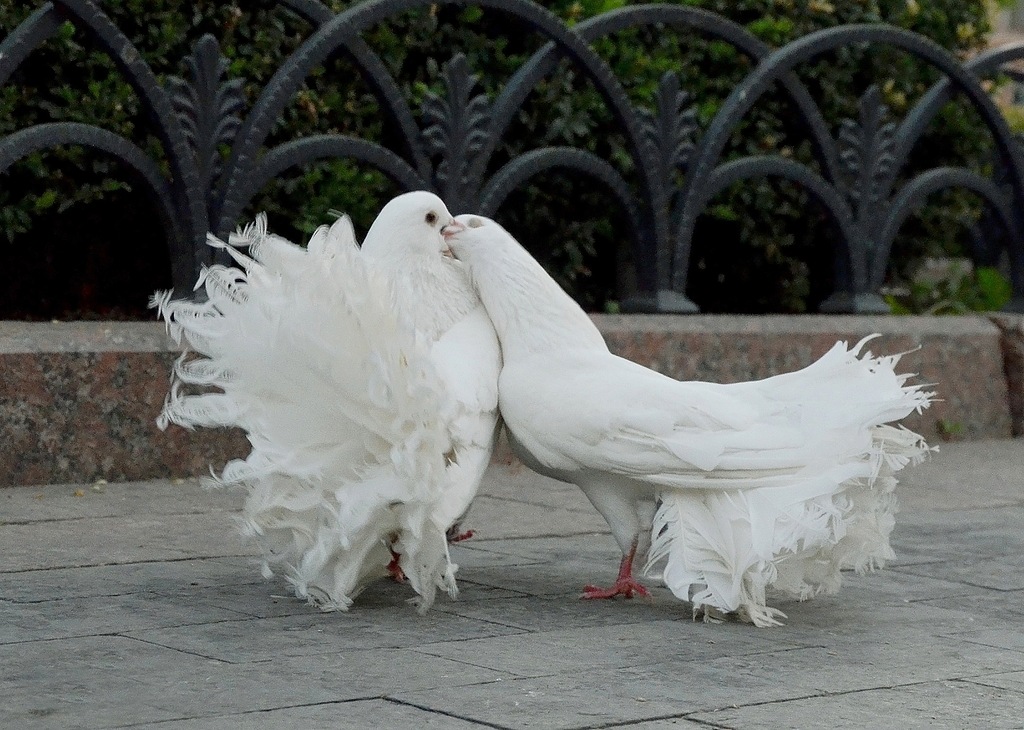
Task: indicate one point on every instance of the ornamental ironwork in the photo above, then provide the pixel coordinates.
(675, 168)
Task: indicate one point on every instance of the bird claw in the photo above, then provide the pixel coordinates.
(461, 536)
(760, 616)
(624, 587)
(395, 570)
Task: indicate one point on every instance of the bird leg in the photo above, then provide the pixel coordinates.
(625, 584)
(394, 569)
(629, 511)
(456, 536)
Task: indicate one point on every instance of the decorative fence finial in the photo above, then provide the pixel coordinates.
(456, 129)
(207, 108)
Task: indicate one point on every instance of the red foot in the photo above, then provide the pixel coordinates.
(461, 536)
(395, 570)
(624, 587)
(625, 584)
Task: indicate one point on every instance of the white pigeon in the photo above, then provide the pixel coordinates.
(780, 482)
(366, 381)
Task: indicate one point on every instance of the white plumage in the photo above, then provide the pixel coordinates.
(781, 482)
(349, 370)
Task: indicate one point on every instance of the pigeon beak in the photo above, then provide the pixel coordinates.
(451, 229)
(447, 232)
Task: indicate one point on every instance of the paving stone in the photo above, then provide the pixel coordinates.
(109, 681)
(1007, 637)
(849, 667)
(839, 620)
(544, 579)
(593, 694)
(549, 566)
(895, 586)
(987, 604)
(314, 633)
(75, 501)
(259, 598)
(1008, 680)
(616, 645)
(930, 705)
(101, 615)
(597, 696)
(490, 519)
(597, 547)
(975, 474)
(118, 579)
(517, 483)
(247, 592)
(128, 607)
(667, 723)
(546, 613)
(275, 597)
(88, 541)
(354, 715)
(481, 553)
(935, 535)
(998, 573)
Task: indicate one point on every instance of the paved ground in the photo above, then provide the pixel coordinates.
(135, 605)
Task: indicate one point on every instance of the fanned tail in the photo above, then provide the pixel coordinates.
(724, 548)
(347, 416)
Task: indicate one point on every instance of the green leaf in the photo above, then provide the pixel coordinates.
(724, 212)
(995, 288)
(45, 201)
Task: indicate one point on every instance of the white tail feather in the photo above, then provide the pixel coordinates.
(724, 548)
(289, 342)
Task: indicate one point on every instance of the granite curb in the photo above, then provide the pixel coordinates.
(78, 400)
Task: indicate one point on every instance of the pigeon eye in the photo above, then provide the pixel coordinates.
(476, 223)
(431, 218)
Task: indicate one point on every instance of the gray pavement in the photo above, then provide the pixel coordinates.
(137, 605)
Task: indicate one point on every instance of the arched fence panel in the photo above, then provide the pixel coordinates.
(876, 157)
(217, 157)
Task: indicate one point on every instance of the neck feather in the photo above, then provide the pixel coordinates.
(431, 291)
(530, 311)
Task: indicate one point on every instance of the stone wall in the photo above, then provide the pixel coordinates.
(78, 400)
(1012, 328)
(962, 355)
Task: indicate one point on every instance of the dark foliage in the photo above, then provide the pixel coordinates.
(78, 240)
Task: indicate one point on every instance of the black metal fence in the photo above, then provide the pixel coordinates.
(857, 177)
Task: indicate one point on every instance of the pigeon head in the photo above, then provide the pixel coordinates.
(475, 236)
(411, 224)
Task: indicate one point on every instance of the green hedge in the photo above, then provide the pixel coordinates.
(759, 248)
